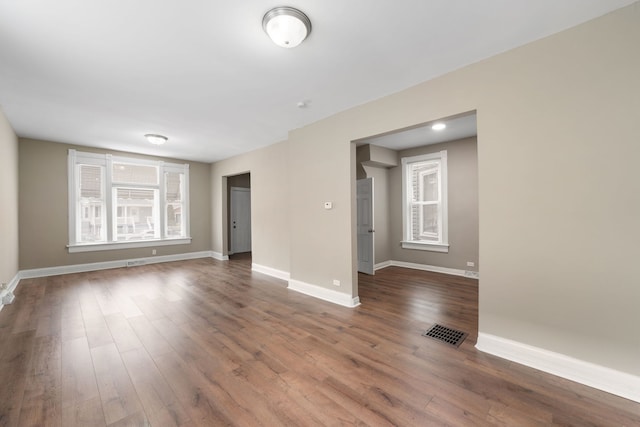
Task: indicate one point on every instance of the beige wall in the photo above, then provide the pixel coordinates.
(322, 169)
(462, 167)
(269, 204)
(559, 187)
(9, 197)
(43, 206)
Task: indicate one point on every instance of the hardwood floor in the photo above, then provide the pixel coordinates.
(208, 343)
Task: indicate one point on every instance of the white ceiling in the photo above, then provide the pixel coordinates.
(103, 73)
(462, 126)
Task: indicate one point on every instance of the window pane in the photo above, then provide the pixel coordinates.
(91, 227)
(429, 186)
(137, 214)
(135, 174)
(424, 173)
(90, 181)
(429, 222)
(415, 222)
(174, 204)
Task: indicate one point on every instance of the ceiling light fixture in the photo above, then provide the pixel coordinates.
(286, 26)
(156, 139)
(438, 126)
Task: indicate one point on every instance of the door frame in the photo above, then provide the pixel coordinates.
(232, 191)
(370, 227)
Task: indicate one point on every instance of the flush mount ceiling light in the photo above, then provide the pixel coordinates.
(286, 26)
(156, 139)
(438, 126)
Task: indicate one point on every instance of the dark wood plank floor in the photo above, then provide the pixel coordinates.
(208, 343)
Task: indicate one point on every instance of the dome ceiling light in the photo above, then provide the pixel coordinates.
(286, 26)
(156, 139)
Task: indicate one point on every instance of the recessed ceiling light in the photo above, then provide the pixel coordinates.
(156, 139)
(286, 26)
(438, 126)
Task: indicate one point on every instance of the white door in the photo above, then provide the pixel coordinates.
(240, 220)
(364, 196)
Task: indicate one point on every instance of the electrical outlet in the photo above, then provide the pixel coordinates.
(471, 264)
(153, 251)
(336, 282)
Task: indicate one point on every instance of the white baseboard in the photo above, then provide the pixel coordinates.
(324, 293)
(11, 287)
(278, 274)
(587, 373)
(382, 265)
(425, 267)
(219, 256)
(95, 266)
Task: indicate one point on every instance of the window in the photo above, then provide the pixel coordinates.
(424, 202)
(119, 202)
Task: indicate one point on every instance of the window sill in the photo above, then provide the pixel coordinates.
(433, 247)
(91, 247)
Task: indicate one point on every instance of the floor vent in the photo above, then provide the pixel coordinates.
(446, 335)
(136, 262)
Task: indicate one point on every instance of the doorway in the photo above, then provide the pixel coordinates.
(365, 224)
(240, 220)
(380, 157)
(239, 214)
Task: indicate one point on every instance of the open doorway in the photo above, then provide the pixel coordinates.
(365, 224)
(425, 199)
(239, 214)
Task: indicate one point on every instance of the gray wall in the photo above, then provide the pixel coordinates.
(43, 206)
(462, 166)
(9, 198)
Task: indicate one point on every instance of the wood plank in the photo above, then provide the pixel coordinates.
(191, 391)
(119, 398)
(27, 308)
(160, 404)
(78, 381)
(83, 413)
(122, 333)
(71, 322)
(15, 355)
(42, 405)
(152, 341)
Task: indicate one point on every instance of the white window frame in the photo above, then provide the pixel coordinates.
(106, 161)
(442, 244)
